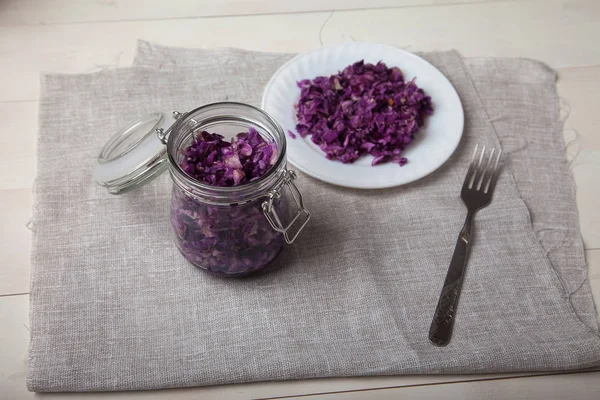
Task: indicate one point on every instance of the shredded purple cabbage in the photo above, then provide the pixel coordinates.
(225, 240)
(364, 109)
(213, 160)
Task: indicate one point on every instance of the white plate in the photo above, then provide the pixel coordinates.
(433, 145)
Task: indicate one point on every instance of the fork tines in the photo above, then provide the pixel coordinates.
(482, 170)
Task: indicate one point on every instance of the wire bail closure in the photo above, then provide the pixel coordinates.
(273, 217)
(163, 134)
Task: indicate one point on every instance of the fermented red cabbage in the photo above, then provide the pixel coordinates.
(364, 109)
(212, 160)
(226, 240)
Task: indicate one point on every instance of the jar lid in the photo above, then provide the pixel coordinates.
(134, 155)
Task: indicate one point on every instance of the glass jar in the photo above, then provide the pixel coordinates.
(228, 231)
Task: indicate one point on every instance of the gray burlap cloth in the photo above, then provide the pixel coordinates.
(114, 306)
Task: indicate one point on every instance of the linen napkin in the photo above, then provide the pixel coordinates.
(528, 128)
(115, 307)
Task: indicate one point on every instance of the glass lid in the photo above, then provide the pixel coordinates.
(134, 155)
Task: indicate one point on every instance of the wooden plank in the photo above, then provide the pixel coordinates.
(592, 258)
(579, 88)
(543, 30)
(18, 144)
(19, 12)
(88, 48)
(15, 241)
(14, 336)
(584, 386)
(475, 29)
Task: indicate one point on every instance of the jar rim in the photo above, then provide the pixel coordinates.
(246, 191)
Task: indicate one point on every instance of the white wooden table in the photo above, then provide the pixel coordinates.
(76, 36)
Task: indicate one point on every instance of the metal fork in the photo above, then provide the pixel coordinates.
(476, 193)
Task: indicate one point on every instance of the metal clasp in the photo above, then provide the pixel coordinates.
(273, 217)
(162, 134)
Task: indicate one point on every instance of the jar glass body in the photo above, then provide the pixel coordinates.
(224, 230)
(224, 240)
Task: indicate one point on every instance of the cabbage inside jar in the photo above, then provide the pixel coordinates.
(234, 204)
(224, 240)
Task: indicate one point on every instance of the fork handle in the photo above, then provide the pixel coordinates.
(443, 319)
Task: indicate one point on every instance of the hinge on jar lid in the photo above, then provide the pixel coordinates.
(162, 134)
(273, 217)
